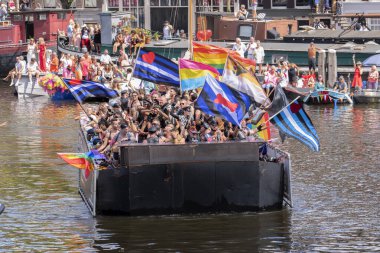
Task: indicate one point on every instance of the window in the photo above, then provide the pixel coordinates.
(61, 15)
(42, 16)
(113, 3)
(17, 18)
(29, 18)
(50, 4)
(90, 3)
(302, 2)
(374, 24)
(245, 31)
(154, 3)
(279, 2)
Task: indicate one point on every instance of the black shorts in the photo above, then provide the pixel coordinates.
(312, 62)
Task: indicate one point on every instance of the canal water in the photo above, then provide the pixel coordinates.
(336, 192)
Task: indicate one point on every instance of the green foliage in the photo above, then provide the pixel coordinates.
(66, 4)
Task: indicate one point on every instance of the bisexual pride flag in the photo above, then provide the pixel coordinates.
(155, 68)
(193, 74)
(218, 99)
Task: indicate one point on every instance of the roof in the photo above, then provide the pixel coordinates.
(328, 33)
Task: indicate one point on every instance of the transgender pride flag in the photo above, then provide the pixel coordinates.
(193, 74)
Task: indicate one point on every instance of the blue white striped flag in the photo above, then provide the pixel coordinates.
(218, 99)
(82, 90)
(294, 122)
(155, 68)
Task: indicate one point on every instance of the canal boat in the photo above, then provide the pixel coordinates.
(23, 25)
(367, 97)
(214, 177)
(327, 97)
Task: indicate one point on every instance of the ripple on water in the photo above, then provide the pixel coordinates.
(335, 193)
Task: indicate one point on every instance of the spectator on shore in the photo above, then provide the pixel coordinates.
(312, 57)
(97, 39)
(357, 82)
(251, 48)
(242, 13)
(373, 78)
(239, 47)
(254, 9)
(167, 30)
(85, 38)
(259, 56)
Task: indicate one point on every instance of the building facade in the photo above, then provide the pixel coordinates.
(86, 11)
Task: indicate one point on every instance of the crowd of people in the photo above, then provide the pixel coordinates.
(160, 115)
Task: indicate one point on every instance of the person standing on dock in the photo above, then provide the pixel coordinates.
(254, 8)
(357, 82)
(251, 48)
(239, 47)
(312, 55)
(373, 78)
(167, 30)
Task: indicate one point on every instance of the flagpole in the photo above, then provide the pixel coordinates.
(133, 69)
(190, 14)
(88, 116)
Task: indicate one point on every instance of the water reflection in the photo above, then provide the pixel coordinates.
(336, 193)
(201, 233)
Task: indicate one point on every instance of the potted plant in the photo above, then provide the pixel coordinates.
(148, 36)
(156, 36)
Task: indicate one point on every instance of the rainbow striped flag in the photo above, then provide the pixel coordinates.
(216, 56)
(193, 74)
(264, 134)
(78, 160)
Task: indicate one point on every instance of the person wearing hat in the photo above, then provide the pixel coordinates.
(85, 35)
(167, 30)
(357, 82)
(341, 85)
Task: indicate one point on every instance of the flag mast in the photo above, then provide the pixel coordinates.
(190, 28)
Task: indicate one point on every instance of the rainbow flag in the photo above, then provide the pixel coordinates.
(216, 56)
(264, 134)
(193, 74)
(78, 160)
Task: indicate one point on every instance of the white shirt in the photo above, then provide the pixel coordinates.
(251, 48)
(66, 62)
(240, 49)
(105, 58)
(167, 32)
(23, 66)
(260, 53)
(32, 67)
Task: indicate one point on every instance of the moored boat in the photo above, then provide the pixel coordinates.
(367, 97)
(327, 97)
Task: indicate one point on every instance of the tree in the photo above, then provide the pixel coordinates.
(66, 4)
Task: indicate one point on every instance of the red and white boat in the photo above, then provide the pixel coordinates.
(23, 25)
